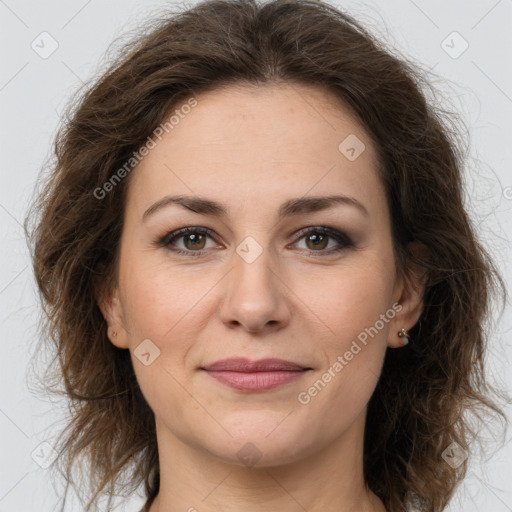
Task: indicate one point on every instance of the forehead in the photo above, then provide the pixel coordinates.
(262, 141)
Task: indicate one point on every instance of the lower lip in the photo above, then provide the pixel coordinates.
(256, 381)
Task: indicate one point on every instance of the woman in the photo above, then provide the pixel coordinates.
(256, 266)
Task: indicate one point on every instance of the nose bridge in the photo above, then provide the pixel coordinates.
(251, 279)
(253, 296)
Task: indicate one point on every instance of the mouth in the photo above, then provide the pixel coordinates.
(245, 375)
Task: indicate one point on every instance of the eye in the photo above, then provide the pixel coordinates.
(193, 240)
(317, 239)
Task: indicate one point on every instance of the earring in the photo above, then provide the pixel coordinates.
(405, 335)
(114, 334)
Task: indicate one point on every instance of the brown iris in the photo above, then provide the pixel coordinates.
(197, 241)
(320, 244)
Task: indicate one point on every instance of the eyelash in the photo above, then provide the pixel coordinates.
(343, 240)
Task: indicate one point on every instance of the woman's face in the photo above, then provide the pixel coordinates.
(277, 275)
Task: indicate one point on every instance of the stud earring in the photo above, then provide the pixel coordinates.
(114, 334)
(405, 335)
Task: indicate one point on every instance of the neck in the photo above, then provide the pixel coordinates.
(327, 480)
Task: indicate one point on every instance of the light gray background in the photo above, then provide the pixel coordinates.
(34, 90)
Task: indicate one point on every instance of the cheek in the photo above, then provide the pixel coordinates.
(355, 305)
(349, 299)
(161, 299)
(169, 306)
(163, 307)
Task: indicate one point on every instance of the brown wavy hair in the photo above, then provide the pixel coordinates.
(426, 390)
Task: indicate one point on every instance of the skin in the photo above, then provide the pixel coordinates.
(252, 149)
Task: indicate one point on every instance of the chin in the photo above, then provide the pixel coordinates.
(262, 443)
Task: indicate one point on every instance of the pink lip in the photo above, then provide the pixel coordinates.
(242, 364)
(246, 375)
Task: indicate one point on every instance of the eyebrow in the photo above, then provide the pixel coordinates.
(296, 206)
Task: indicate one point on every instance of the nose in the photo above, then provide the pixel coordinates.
(255, 297)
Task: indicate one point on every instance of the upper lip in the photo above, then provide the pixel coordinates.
(241, 364)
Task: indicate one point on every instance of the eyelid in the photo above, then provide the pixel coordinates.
(327, 230)
(343, 240)
(173, 235)
(166, 240)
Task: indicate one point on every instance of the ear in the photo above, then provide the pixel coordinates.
(110, 305)
(409, 292)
